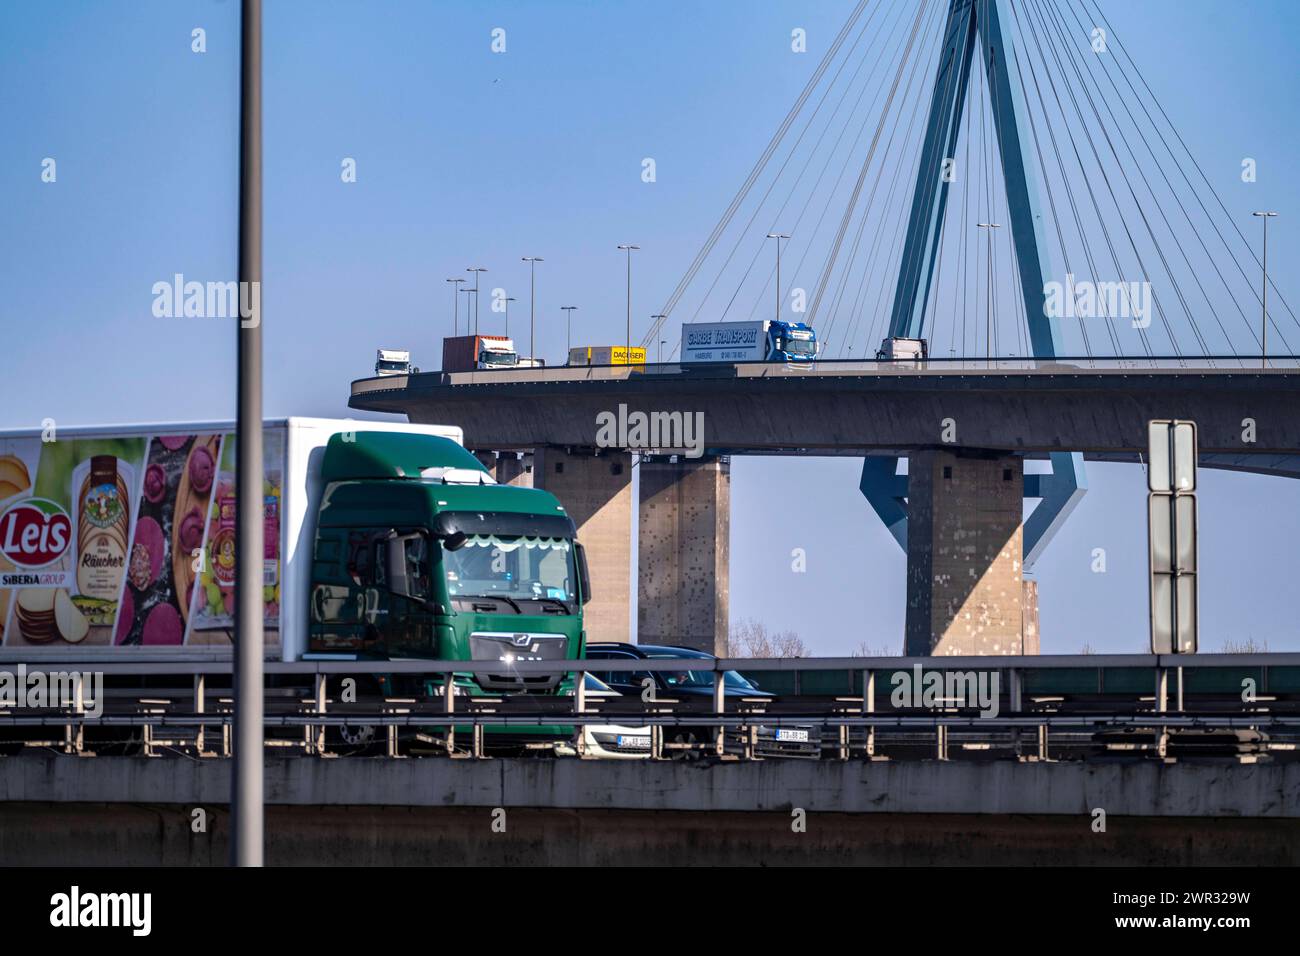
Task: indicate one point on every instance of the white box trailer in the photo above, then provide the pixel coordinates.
(118, 541)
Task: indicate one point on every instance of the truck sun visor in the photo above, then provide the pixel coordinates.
(503, 524)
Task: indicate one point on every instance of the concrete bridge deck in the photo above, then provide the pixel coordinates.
(857, 407)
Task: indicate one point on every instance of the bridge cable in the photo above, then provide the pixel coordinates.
(761, 297)
(759, 166)
(1101, 218)
(886, 114)
(1180, 167)
(839, 239)
(1174, 194)
(1213, 192)
(1196, 329)
(746, 229)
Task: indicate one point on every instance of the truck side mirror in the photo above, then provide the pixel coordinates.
(584, 579)
(455, 541)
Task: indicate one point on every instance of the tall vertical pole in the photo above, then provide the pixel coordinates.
(778, 237)
(568, 328)
(1263, 330)
(476, 270)
(629, 248)
(455, 305)
(532, 303)
(246, 785)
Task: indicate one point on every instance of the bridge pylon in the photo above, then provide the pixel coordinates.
(972, 25)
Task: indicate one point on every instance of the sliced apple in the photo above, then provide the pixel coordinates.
(71, 623)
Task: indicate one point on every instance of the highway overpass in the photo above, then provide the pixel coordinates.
(967, 427)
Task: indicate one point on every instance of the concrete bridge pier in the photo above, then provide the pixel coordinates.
(966, 592)
(684, 541)
(595, 487)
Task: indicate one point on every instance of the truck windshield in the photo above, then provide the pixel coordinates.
(499, 358)
(530, 569)
(806, 347)
(393, 366)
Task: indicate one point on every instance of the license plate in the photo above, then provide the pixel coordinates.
(797, 736)
(632, 743)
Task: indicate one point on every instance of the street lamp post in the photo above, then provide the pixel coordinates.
(568, 327)
(988, 331)
(532, 302)
(467, 293)
(509, 299)
(1263, 322)
(629, 249)
(476, 270)
(249, 756)
(778, 237)
(656, 318)
(455, 305)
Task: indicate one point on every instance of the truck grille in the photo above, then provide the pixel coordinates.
(518, 647)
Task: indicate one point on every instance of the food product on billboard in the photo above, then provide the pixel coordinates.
(155, 483)
(201, 469)
(14, 479)
(147, 554)
(163, 626)
(189, 517)
(174, 442)
(191, 530)
(99, 612)
(125, 617)
(35, 614)
(70, 622)
(102, 525)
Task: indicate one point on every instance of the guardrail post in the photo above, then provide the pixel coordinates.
(321, 680)
(579, 708)
(869, 706)
(74, 732)
(941, 735)
(1162, 706)
(200, 692)
(1015, 698)
(449, 705)
(719, 706)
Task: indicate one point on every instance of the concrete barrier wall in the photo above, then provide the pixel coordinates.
(1148, 788)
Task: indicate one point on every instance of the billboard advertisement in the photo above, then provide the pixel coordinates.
(127, 541)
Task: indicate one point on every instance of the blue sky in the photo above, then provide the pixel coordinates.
(466, 157)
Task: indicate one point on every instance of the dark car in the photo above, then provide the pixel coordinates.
(688, 685)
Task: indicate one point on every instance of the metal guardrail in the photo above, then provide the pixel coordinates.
(739, 716)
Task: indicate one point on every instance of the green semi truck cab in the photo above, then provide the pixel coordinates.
(418, 555)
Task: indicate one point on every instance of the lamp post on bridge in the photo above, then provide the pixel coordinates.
(1263, 322)
(656, 318)
(778, 237)
(476, 270)
(988, 330)
(568, 327)
(629, 249)
(455, 306)
(508, 300)
(467, 293)
(532, 302)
